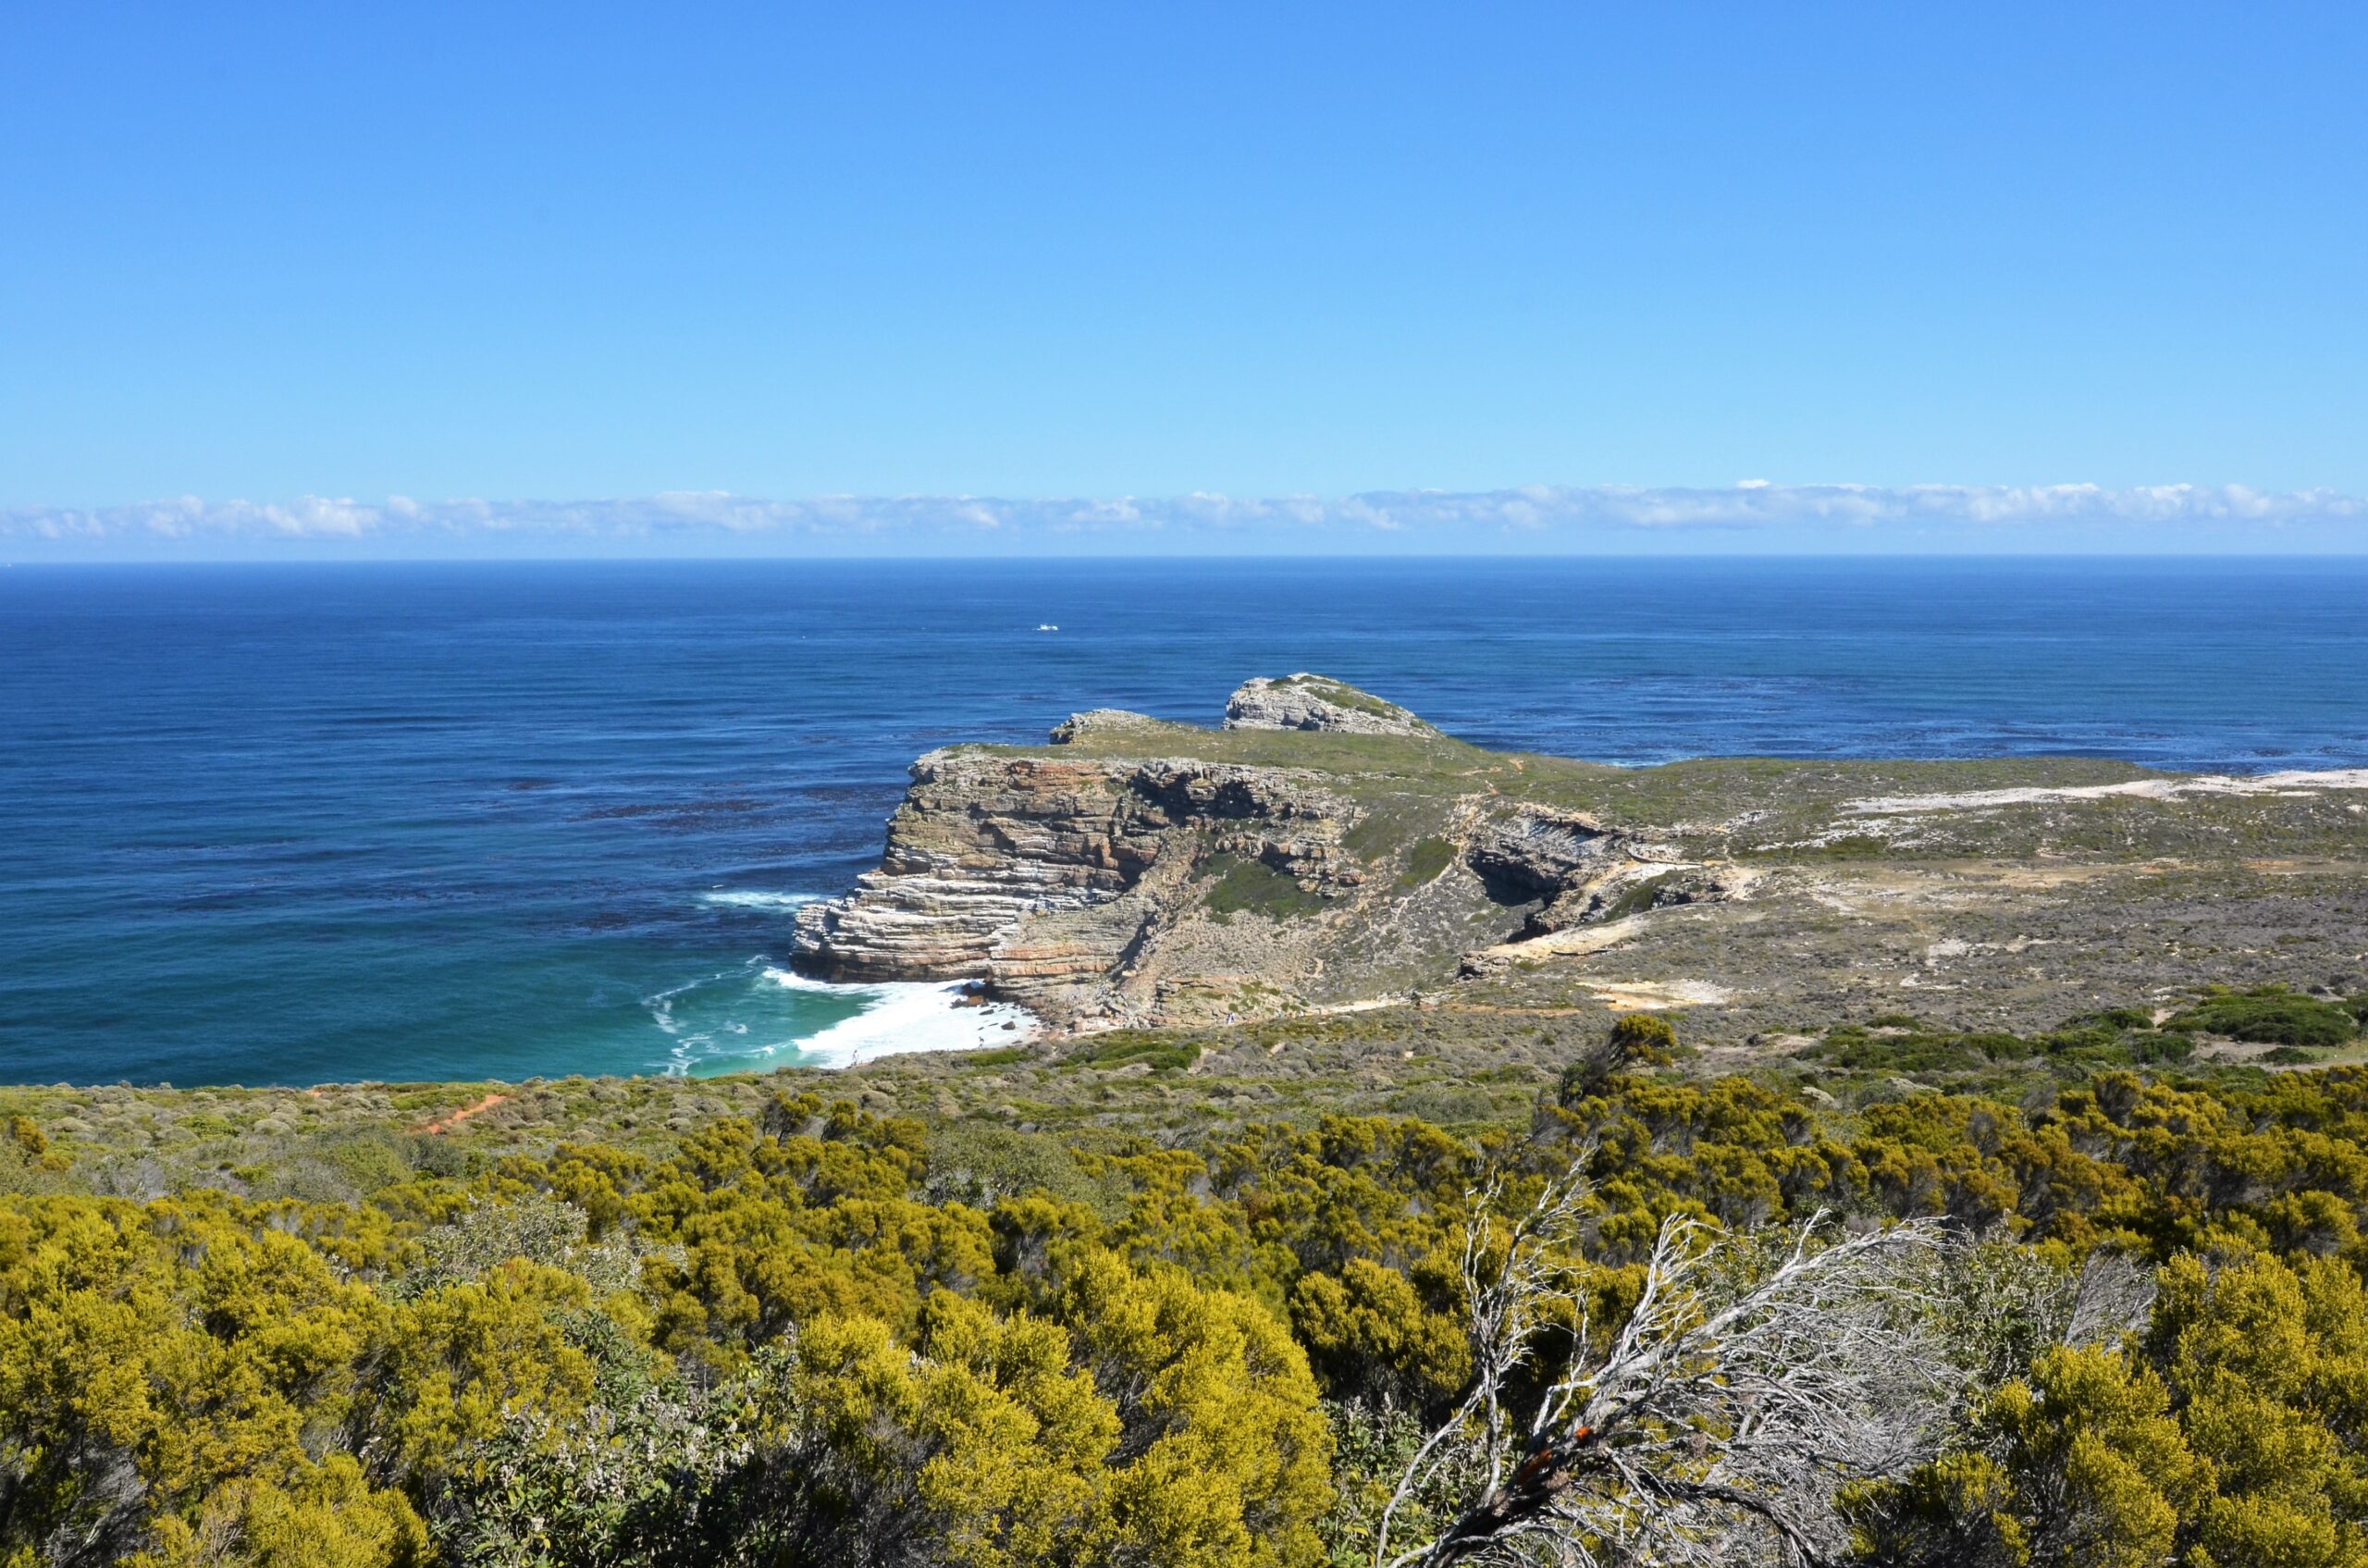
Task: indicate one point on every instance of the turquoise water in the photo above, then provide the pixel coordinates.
(308, 823)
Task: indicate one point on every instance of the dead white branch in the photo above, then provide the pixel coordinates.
(1751, 1382)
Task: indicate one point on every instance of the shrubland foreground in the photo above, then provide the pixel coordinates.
(2077, 1298)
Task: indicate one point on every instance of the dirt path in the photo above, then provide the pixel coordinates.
(448, 1122)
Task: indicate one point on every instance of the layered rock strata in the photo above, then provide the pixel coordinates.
(986, 841)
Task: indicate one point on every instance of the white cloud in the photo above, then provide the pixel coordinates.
(1753, 513)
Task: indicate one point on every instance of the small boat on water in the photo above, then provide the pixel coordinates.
(1046, 626)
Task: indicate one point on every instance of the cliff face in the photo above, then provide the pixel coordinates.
(1107, 880)
(979, 843)
(988, 848)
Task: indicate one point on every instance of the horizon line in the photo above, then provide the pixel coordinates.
(1752, 517)
(1210, 556)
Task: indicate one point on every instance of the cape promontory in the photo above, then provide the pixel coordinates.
(1327, 848)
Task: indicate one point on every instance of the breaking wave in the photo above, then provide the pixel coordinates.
(749, 898)
(762, 1015)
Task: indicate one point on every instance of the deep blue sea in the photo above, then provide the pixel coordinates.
(290, 824)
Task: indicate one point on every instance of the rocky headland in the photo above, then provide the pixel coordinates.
(1327, 850)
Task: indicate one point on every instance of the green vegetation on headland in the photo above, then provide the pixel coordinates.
(1241, 884)
(1140, 1300)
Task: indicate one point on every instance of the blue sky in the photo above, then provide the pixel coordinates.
(566, 263)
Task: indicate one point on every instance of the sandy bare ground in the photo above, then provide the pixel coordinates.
(2296, 783)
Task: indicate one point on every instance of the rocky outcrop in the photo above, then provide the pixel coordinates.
(1317, 702)
(1580, 871)
(1550, 857)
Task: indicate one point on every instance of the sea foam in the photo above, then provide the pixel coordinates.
(905, 1016)
(762, 1015)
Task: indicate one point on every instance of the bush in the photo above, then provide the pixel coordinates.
(1159, 1052)
(1995, 1046)
(997, 1055)
(436, 1154)
(1252, 887)
(483, 1238)
(2270, 1015)
(1431, 856)
(1637, 1040)
(1640, 1038)
(27, 1136)
(981, 1164)
(1859, 1052)
(1444, 1104)
(2158, 1048)
(370, 1160)
(2119, 1018)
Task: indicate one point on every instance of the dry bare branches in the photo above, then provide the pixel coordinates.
(1757, 1375)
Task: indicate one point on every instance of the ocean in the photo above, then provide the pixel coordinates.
(306, 823)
